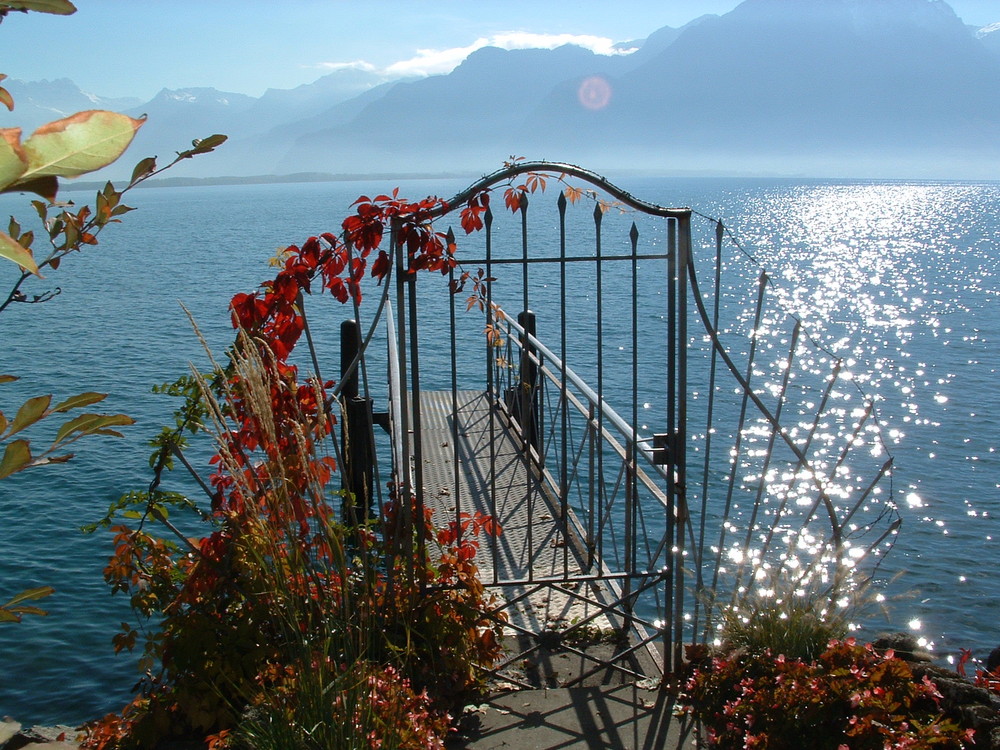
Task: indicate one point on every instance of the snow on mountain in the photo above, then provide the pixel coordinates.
(39, 102)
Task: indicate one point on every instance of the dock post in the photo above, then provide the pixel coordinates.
(527, 401)
(355, 430)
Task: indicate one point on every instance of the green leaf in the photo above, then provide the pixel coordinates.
(53, 460)
(8, 378)
(28, 610)
(14, 251)
(80, 400)
(207, 144)
(92, 424)
(16, 457)
(78, 144)
(203, 146)
(13, 610)
(13, 160)
(3, 423)
(30, 412)
(47, 187)
(56, 7)
(142, 169)
(40, 592)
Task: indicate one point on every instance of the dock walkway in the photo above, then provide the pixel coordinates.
(536, 548)
(473, 461)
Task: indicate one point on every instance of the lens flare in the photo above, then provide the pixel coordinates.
(594, 93)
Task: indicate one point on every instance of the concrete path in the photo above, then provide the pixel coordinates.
(616, 717)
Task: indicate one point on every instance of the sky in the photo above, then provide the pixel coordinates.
(117, 48)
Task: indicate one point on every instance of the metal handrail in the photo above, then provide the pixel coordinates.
(395, 402)
(626, 430)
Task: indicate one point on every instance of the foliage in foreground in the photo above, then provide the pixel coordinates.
(68, 147)
(279, 623)
(786, 615)
(849, 698)
(985, 678)
(279, 619)
(282, 625)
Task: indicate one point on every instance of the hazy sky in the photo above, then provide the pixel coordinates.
(137, 47)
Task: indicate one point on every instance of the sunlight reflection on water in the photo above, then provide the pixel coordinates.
(900, 280)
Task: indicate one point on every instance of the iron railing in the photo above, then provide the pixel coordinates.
(682, 447)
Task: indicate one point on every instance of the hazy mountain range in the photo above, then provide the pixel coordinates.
(876, 88)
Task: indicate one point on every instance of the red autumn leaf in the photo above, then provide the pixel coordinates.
(381, 265)
(471, 221)
(338, 290)
(512, 199)
(535, 182)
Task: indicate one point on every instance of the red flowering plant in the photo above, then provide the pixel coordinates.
(984, 678)
(277, 615)
(849, 697)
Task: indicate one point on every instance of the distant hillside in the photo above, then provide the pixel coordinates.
(827, 86)
(39, 102)
(990, 38)
(478, 109)
(877, 88)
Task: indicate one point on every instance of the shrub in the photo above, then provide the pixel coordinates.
(276, 583)
(794, 626)
(367, 707)
(282, 622)
(849, 697)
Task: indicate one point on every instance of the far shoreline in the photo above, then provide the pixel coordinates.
(270, 179)
(328, 177)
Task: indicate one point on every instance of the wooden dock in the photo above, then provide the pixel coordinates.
(473, 460)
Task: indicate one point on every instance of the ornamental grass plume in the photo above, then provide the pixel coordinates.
(336, 685)
(795, 616)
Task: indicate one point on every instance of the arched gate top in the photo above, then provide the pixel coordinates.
(557, 168)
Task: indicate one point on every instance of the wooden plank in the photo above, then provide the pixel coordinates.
(534, 560)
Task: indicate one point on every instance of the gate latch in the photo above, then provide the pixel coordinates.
(662, 446)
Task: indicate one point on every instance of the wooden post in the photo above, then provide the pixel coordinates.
(355, 429)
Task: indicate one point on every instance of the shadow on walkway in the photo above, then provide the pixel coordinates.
(618, 717)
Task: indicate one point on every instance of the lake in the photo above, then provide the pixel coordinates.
(911, 268)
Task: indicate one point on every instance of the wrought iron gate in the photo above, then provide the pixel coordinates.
(650, 455)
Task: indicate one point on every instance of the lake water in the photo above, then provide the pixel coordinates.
(911, 268)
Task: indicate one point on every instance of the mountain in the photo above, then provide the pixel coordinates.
(876, 88)
(39, 102)
(658, 41)
(819, 85)
(174, 117)
(262, 135)
(279, 106)
(477, 108)
(990, 37)
(828, 87)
